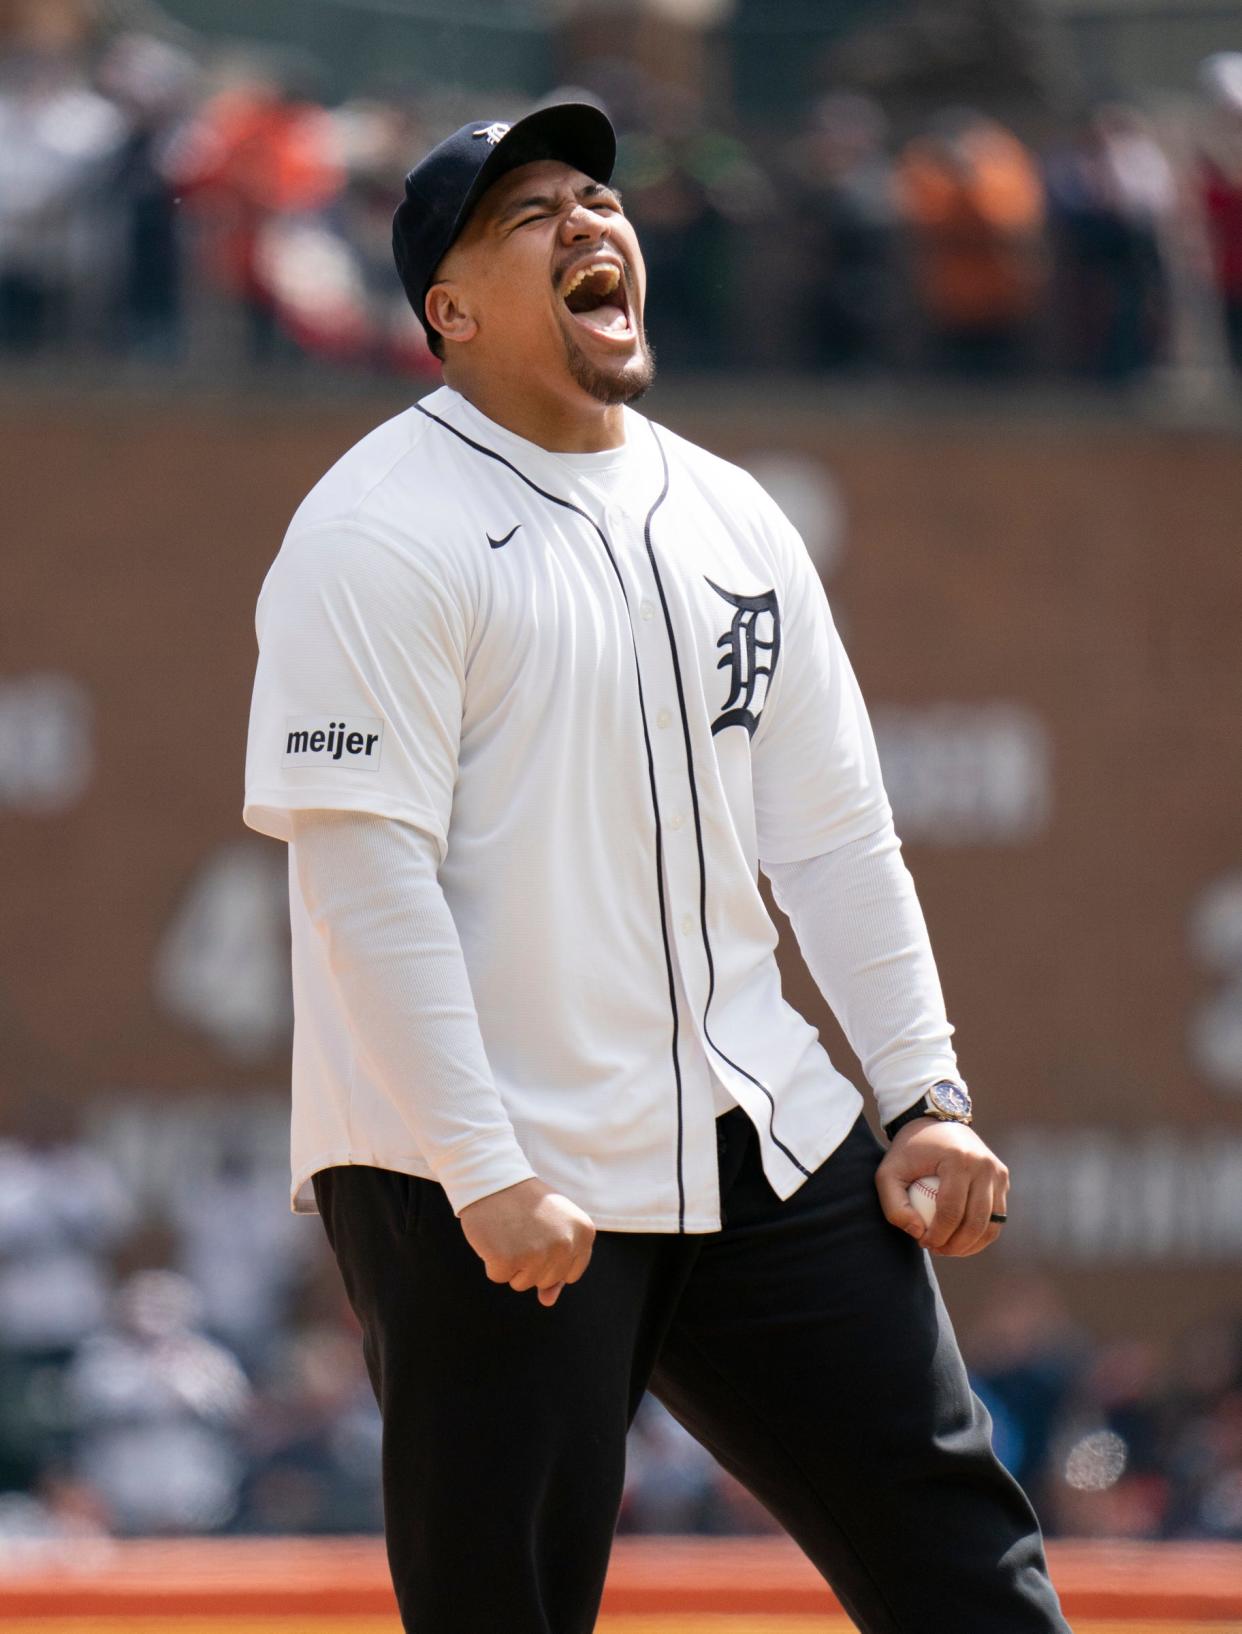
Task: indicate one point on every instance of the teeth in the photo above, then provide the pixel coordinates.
(613, 274)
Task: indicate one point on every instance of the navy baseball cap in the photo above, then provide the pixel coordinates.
(444, 187)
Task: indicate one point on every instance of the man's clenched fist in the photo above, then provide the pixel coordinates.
(974, 1184)
(530, 1237)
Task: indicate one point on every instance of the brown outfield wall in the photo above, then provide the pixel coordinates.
(1044, 615)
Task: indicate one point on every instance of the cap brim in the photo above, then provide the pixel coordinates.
(575, 133)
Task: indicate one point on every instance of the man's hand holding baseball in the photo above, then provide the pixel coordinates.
(974, 1184)
(530, 1237)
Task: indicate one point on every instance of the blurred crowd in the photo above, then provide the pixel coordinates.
(160, 205)
(199, 1372)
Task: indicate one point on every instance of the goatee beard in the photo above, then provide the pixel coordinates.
(611, 389)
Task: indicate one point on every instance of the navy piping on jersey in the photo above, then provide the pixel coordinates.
(555, 499)
(698, 826)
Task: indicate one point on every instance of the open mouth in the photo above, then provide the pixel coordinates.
(595, 294)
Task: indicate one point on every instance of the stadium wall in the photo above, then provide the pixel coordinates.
(1044, 617)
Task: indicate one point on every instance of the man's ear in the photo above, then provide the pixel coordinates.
(446, 313)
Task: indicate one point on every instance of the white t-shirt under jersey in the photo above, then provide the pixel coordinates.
(605, 685)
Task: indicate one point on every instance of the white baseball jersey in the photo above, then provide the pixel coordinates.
(606, 685)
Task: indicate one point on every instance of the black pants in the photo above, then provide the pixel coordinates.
(805, 1345)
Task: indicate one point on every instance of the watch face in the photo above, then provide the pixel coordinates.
(950, 1098)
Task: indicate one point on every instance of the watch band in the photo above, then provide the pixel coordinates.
(920, 1109)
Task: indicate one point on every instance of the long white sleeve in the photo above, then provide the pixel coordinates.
(371, 890)
(862, 933)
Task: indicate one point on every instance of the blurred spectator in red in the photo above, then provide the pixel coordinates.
(1220, 187)
(259, 165)
(377, 141)
(1111, 198)
(973, 202)
(846, 229)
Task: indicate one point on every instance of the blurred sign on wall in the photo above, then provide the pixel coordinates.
(46, 751)
(966, 774)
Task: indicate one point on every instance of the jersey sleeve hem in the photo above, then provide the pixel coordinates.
(461, 1191)
(933, 1069)
(267, 811)
(488, 1163)
(830, 836)
(476, 1171)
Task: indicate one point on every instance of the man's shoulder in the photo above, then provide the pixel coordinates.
(712, 473)
(374, 480)
(737, 496)
(385, 510)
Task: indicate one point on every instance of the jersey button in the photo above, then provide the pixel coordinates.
(663, 719)
(676, 820)
(687, 924)
(647, 610)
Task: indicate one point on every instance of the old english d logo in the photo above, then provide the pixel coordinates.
(752, 644)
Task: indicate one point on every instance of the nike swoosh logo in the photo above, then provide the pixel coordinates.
(496, 543)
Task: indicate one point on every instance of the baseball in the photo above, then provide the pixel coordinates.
(922, 1194)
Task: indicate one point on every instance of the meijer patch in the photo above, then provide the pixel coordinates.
(355, 741)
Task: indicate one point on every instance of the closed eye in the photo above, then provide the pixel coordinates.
(601, 202)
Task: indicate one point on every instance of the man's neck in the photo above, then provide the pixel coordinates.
(574, 424)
